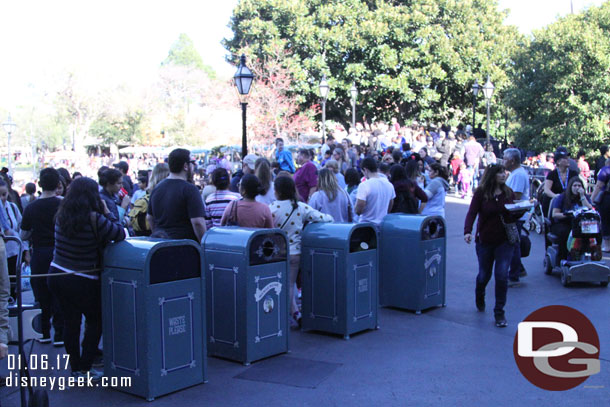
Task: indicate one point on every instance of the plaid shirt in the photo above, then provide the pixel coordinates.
(215, 205)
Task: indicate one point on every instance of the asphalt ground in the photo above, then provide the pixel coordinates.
(444, 357)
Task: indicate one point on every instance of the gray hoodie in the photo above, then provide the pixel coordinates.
(436, 191)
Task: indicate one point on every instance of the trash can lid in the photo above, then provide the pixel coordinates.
(134, 253)
(407, 223)
(233, 238)
(331, 235)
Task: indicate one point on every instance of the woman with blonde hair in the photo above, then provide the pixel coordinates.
(262, 170)
(331, 199)
(159, 173)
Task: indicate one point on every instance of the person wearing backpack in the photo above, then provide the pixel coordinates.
(137, 215)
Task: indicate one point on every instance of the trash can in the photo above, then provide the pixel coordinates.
(247, 302)
(412, 262)
(339, 277)
(152, 303)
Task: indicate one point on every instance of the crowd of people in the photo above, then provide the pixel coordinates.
(67, 224)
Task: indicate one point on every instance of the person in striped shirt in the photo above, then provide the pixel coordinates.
(217, 202)
(83, 227)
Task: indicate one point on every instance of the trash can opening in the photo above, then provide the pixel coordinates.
(433, 229)
(270, 248)
(364, 238)
(173, 263)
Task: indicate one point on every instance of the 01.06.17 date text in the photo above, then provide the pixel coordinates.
(38, 362)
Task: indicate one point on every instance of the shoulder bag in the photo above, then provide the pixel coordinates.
(512, 231)
(232, 221)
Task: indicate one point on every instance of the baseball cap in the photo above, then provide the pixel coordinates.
(122, 165)
(250, 160)
(559, 155)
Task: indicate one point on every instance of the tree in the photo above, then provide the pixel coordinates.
(183, 53)
(272, 109)
(561, 83)
(408, 58)
(79, 105)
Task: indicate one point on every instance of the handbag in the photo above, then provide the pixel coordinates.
(512, 231)
(525, 244)
(350, 216)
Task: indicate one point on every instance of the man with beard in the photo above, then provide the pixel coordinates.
(175, 208)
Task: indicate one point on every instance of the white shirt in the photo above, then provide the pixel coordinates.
(519, 181)
(269, 197)
(377, 193)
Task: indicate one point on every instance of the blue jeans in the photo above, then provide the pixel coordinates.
(488, 254)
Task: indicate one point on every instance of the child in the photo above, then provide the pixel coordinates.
(455, 169)
(465, 179)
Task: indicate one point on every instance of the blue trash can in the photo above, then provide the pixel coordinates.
(340, 277)
(247, 301)
(413, 256)
(152, 302)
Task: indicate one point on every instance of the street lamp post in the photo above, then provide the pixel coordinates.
(488, 91)
(323, 94)
(243, 82)
(354, 93)
(9, 127)
(475, 91)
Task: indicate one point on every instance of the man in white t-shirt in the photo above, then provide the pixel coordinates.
(519, 182)
(375, 196)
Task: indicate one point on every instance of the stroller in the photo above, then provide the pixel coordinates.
(38, 397)
(535, 217)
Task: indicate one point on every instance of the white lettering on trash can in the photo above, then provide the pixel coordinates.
(177, 325)
(363, 285)
(259, 294)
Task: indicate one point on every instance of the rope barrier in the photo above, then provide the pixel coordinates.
(63, 273)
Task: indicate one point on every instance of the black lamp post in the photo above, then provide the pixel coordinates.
(488, 91)
(354, 93)
(9, 127)
(243, 82)
(475, 91)
(323, 94)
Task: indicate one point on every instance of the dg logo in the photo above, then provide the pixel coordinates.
(557, 348)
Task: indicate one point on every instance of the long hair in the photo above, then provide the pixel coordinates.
(327, 182)
(286, 189)
(489, 184)
(75, 209)
(262, 169)
(569, 199)
(412, 169)
(159, 173)
(397, 173)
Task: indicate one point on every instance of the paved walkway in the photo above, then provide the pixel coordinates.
(445, 357)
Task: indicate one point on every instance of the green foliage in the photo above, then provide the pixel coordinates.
(561, 83)
(410, 58)
(183, 53)
(125, 130)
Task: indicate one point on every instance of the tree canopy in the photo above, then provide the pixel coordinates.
(408, 58)
(183, 53)
(560, 87)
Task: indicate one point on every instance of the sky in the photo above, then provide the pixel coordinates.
(124, 41)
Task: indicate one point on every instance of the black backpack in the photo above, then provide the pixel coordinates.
(405, 202)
